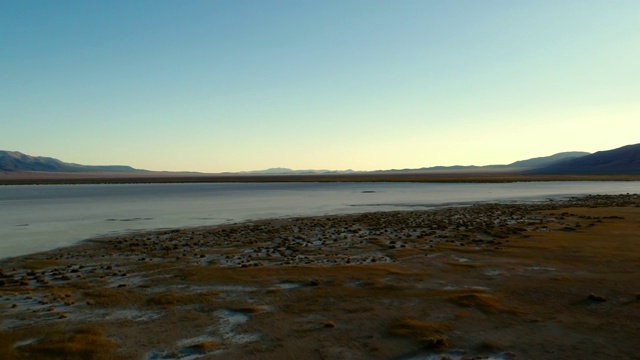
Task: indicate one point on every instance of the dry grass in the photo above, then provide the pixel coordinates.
(82, 343)
(113, 297)
(402, 253)
(294, 274)
(204, 347)
(8, 339)
(436, 342)
(483, 302)
(42, 264)
(248, 309)
(172, 298)
(462, 264)
(418, 329)
(490, 346)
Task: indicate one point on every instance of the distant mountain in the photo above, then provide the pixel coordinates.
(547, 160)
(455, 167)
(623, 160)
(287, 171)
(13, 161)
(515, 166)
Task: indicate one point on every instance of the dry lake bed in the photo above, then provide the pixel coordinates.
(554, 280)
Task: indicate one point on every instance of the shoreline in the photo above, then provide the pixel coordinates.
(486, 279)
(532, 200)
(256, 226)
(34, 225)
(432, 177)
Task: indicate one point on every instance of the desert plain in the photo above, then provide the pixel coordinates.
(550, 280)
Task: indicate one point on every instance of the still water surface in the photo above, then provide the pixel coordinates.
(43, 217)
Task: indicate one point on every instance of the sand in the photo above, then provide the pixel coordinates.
(556, 280)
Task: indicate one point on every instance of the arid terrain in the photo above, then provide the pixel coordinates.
(555, 280)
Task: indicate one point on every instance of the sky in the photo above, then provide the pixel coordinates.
(217, 86)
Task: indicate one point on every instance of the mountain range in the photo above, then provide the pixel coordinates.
(518, 165)
(623, 160)
(515, 166)
(11, 161)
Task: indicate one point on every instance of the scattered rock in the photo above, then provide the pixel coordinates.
(436, 342)
(594, 297)
(329, 324)
(204, 347)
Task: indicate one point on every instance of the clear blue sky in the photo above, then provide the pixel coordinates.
(218, 86)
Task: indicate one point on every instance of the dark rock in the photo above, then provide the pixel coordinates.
(329, 325)
(594, 297)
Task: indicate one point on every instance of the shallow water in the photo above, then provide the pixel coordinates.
(43, 217)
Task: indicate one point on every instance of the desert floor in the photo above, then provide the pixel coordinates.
(557, 280)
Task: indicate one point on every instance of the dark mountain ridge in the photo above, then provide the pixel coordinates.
(518, 165)
(515, 166)
(11, 161)
(548, 160)
(623, 160)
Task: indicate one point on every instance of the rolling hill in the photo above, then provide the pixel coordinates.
(13, 161)
(623, 160)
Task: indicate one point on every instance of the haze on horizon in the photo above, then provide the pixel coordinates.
(216, 86)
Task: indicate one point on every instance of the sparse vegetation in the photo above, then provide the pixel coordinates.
(490, 346)
(436, 342)
(484, 302)
(172, 298)
(248, 309)
(82, 343)
(418, 329)
(204, 347)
